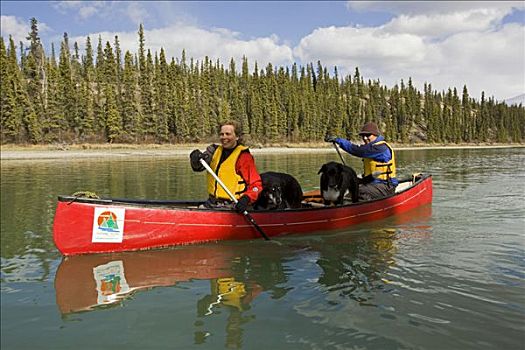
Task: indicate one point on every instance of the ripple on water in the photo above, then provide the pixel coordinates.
(429, 319)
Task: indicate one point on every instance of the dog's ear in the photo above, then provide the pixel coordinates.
(322, 170)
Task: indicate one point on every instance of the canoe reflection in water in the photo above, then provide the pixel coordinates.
(237, 273)
(87, 281)
(352, 263)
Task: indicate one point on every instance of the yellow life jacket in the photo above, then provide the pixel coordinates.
(230, 290)
(226, 172)
(381, 171)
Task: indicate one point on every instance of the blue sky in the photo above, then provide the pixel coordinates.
(447, 44)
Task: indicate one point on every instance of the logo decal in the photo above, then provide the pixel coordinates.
(107, 221)
(108, 225)
(111, 282)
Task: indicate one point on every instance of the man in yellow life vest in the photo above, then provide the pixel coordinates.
(379, 162)
(235, 167)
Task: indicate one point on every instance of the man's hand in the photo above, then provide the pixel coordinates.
(330, 138)
(242, 204)
(195, 156)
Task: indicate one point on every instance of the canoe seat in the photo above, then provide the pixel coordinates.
(312, 199)
(312, 204)
(403, 186)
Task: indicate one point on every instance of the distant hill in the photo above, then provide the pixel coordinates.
(516, 100)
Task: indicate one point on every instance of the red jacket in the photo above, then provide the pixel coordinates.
(245, 167)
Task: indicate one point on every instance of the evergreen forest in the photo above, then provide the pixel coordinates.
(105, 95)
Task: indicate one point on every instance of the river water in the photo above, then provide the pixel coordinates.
(449, 276)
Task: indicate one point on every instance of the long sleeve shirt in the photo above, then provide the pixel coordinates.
(245, 167)
(380, 153)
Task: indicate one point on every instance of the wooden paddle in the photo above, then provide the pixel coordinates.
(245, 213)
(338, 152)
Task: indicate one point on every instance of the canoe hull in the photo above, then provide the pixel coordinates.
(80, 226)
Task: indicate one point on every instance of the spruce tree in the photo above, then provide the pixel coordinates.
(112, 115)
(182, 95)
(456, 117)
(11, 123)
(100, 79)
(147, 101)
(88, 103)
(118, 73)
(466, 119)
(162, 96)
(88, 68)
(256, 107)
(3, 72)
(65, 88)
(34, 70)
(130, 108)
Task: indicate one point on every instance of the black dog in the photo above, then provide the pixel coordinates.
(280, 191)
(338, 180)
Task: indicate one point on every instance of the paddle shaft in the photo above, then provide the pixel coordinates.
(338, 152)
(245, 213)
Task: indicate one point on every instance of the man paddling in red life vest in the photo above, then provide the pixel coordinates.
(235, 167)
(379, 162)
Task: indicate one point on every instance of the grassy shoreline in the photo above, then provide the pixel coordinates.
(57, 151)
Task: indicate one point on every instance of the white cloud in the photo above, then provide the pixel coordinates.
(10, 25)
(136, 12)
(220, 43)
(412, 8)
(490, 61)
(345, 44)
(18, 28)
(198, 43)
(66, 5)
(445, 46)
(441, 25)
(84, 10)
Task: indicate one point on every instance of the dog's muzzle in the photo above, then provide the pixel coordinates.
(275, 199)
(331, 194)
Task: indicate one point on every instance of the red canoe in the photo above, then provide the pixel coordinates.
(84, 225)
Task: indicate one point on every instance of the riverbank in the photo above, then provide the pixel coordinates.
(61, 151)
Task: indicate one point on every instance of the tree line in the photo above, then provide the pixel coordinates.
(105, 95)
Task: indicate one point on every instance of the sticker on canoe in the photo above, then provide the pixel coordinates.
(108, 225)
(111, 282)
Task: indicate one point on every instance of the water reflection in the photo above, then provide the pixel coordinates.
(233, 297)
(363, 262)
(85, 282)
(351, 264)
(357, 270)
(235, 272)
